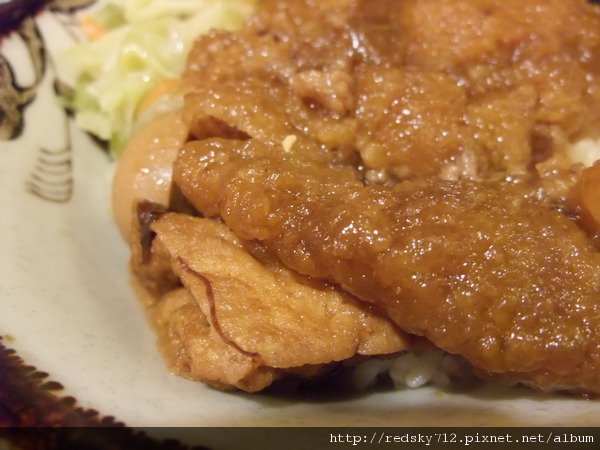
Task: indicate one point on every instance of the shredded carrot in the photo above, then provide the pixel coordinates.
(92, 28)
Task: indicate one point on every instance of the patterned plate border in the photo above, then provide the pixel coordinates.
(33, 414)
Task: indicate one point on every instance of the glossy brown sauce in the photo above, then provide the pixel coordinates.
(429, 169)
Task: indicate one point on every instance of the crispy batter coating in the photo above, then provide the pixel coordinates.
(238, 322)
(482, 270)
(195, 350)
(413, 152)
(477, 89)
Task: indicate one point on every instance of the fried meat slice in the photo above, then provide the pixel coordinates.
(240, 322)
(377, 83)
(195, 350)
(482, 270)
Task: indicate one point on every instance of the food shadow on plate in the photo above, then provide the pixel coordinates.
(339, 387)
(463, 403)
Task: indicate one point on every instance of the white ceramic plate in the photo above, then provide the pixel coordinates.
(67, 308)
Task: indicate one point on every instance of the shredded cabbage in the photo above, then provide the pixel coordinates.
(143, 42)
